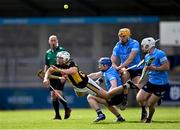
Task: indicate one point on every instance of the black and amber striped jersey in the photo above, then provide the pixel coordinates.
(79, 79)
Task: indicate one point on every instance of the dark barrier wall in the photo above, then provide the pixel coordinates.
(35, 98)
(172, 96)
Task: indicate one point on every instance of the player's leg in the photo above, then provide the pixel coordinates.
(135, 75)
(94, 89)
(124, 75)
(157, 92)
(153, 99)
(55, 103)
(94, 103)
(143, 107)
(114, 110)
(141, 98)
(111, 105)
(67, 109)
(55, 100)
(59, 85)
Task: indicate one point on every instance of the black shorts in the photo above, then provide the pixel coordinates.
(157, 90)
(116, 100)
(134, 73)
(56, 84)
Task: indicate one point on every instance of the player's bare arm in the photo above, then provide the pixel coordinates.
(113, 84)
(46, 81)
(95, 75)
(70, 71)
(45, 68)
(132, 55)
(114, 59)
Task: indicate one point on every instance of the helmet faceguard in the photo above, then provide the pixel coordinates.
(64, 55)
(148, 43)
(124, 35)
(105, 61)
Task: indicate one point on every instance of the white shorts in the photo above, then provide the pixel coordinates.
(91, 88)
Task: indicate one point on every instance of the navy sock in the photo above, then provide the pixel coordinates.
(64, 103)
(98, 111)
(56, 106)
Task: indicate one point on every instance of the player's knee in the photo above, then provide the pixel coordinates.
(89, 97)
(54, 95)
(124, 75)
(108, 96)
(140, 98)
(149, 104)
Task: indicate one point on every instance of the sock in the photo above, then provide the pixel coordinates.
(151, 113)
(125, 97)
(125, 91)
(98, 111)
(119, 116)
(64, 103)
(56, 106)
(143, 108)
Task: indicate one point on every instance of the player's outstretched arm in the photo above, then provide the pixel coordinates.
(95, 75)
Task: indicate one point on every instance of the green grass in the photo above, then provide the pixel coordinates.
(164, 118)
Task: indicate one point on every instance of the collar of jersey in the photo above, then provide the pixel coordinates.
(55, 49)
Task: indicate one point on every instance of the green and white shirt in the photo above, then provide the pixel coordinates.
(50, 56)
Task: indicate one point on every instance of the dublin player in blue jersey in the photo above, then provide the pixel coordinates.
(157, 77)
(127, 50)
(112, 80)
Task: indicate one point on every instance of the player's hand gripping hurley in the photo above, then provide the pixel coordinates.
(41, 75)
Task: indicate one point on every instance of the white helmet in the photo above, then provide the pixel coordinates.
(65, 55)
(148, 43)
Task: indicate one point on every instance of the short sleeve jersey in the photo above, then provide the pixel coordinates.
(109, 75)
(123, 51)
(157, 77)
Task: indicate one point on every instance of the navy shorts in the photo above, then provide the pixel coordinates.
(157, 90)
(56, 84)
(116, 100)
(134, 73)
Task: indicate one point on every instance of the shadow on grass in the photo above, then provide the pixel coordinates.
(161, 122)
(166, 121)
(105, 122)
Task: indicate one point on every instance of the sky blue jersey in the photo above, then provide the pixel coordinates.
(122, 52)
(157, 77)
(111, 74)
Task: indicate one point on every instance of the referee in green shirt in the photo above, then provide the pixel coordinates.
(58, 85)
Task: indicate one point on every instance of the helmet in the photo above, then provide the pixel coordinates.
(148, 43)
(65, 55)
(124, 32)
(105, 61)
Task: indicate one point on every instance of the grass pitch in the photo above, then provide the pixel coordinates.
(164, 118)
